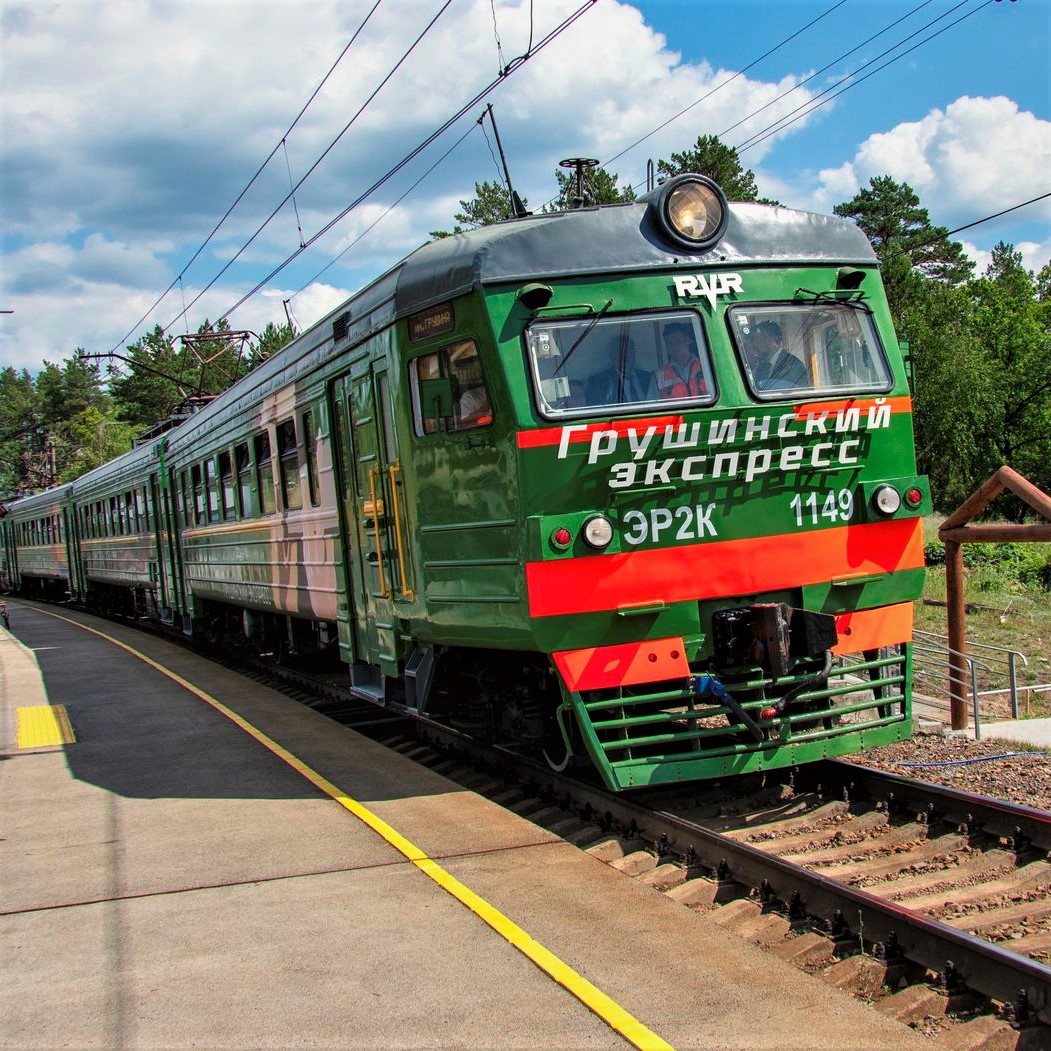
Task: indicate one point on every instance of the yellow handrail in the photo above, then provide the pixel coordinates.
(405, 589)
(374, 473)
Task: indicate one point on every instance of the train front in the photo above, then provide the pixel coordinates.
(724, 533)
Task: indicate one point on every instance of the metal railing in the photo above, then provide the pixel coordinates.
(934, 670)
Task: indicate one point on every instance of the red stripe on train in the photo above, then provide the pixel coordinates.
(582, 432)
(726, 567)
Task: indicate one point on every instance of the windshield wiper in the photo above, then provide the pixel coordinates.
(583, 335)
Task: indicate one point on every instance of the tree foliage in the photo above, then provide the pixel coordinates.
(893, 220)
(490, 204)
(599, 187)
(712, 157)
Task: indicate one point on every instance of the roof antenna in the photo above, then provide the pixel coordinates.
(580, 163)
(518, 208)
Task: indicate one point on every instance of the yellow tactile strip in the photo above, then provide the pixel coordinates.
(44, 725)
(615, 1016)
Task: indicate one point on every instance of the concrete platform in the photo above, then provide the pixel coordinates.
(166, 881)
(1025, 731)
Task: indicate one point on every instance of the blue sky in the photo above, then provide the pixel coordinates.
(130, 128)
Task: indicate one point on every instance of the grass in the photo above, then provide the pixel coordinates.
(1008, 605)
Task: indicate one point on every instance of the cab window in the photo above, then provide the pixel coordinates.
(461, 401)
(790, 349)
(590, 364)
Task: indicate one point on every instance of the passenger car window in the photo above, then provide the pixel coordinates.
(468, 404)
(590, 364)
(788, 349)
(310, 448)
(227, 507)
(264, 474)
(244, 474)
(289, 464)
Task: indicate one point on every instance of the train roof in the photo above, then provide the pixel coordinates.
(624, 238)
(604, 239)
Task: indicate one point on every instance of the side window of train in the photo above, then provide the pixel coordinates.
(184, 500)
(449, 391)
(211, 490)
(198, 494)
(264, 475)
(288, 456)
(310, 448)
(809, 348)
(243, 462)
(227, 507)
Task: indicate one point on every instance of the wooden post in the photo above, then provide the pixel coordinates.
(957, 625)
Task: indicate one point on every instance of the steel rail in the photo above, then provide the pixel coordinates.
(899, 934)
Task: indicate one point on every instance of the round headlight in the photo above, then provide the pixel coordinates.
(886, 500)
(598, 532)
(693, 210)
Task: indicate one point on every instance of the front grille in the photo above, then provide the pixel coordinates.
(663, 732)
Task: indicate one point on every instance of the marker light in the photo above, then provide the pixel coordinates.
(598, 532)
(693, 211)
(561, 538)
(914, 497)
(886, 500)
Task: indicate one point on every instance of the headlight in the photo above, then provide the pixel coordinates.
(692, 210)
(598, 532)
(886, 500)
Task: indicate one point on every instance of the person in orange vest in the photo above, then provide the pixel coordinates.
(681, 377)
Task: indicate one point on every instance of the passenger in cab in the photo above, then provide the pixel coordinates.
(681, 377)
(771, 366)
(620, 381)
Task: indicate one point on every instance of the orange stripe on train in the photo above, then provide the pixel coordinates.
(869, 629)
(719, 568)
(599, 667)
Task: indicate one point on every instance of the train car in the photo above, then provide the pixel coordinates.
(116, 547)
(39, 542)
(256, 508)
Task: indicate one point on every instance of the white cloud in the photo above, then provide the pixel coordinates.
(971, 159)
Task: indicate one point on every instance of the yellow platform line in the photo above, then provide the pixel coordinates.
(596, 1001)
(44, 725)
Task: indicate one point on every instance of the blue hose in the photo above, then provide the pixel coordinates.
(976, 759)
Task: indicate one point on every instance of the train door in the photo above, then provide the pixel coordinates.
(376, 568)
(163, 554)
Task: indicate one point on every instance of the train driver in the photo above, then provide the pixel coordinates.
(772, 367)
(681, 377)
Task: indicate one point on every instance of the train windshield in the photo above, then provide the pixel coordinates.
(787, 349)
(617, 364)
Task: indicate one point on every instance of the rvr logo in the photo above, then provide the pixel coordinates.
(693, 286)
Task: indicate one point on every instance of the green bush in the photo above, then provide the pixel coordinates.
(1014, 568)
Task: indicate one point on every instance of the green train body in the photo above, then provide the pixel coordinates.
(539, 483)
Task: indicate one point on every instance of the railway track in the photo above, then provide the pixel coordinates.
(934, 903)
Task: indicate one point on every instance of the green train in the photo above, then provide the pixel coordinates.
(632, 484)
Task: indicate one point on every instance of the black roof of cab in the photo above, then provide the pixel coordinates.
(622, 238)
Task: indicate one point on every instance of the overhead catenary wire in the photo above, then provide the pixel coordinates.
(828, 65)
(827, 96)
(251, 182)
(394, 204)
(328, 149)
(437, 133)
(723, 84)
